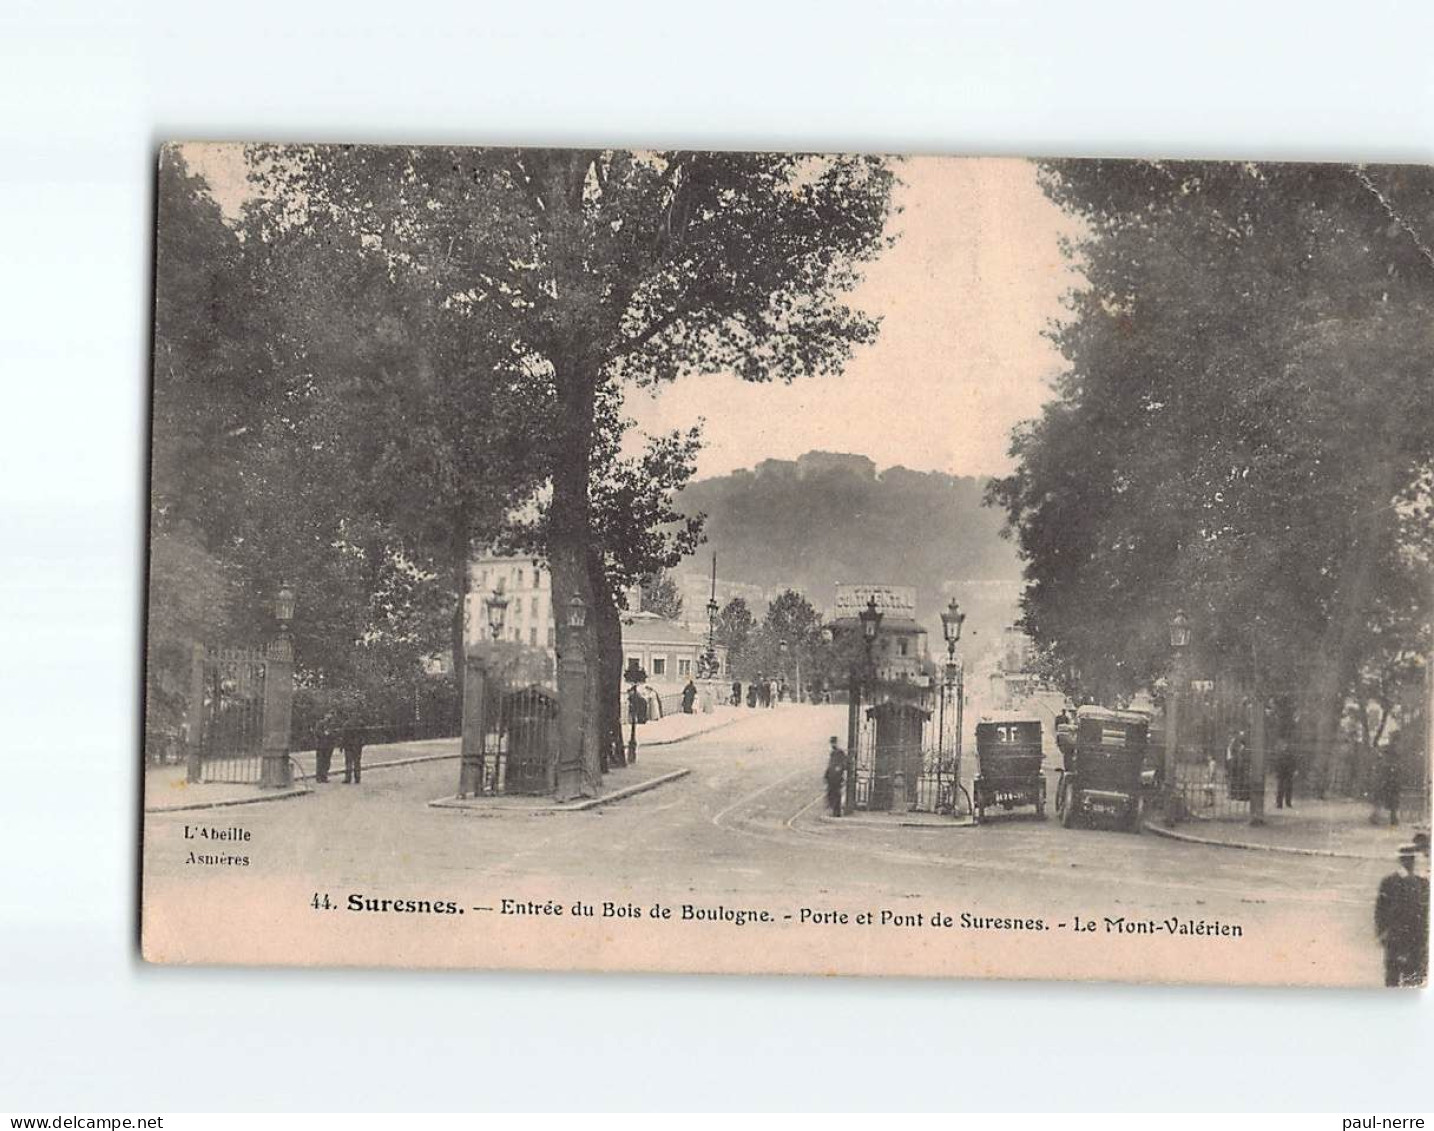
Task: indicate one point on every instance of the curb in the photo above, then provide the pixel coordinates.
(1247, 846)
(577, 807)
(683, 738)
(283, 795)
(396, 762)
(867, 823)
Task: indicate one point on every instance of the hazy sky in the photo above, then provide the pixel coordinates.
(964, 295)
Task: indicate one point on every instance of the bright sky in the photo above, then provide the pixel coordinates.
(964, 295)
(974, 278)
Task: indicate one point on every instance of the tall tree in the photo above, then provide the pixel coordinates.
(609, 267)
(1239, 430)
(736, 627)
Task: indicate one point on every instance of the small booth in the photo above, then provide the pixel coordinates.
(898, 752)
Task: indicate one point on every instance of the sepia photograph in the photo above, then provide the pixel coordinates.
(782, 562)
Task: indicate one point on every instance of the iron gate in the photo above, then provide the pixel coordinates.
(518, 752)
(231, 716)
(907, 752)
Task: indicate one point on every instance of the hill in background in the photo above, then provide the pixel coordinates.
(829, 517)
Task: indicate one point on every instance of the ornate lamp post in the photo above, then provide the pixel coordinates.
(1179, 641)
(952, 618)
(275, 771)
(709, 658)
(634, 675)
(497, 603)
(870, 619)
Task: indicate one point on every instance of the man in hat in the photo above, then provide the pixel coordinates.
(1401, 918)
(835, 776)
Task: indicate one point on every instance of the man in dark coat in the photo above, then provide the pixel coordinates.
(835, 776)
(1401, 919)
(324, 740)
(1286, 765)
(352, 746)
(689, 697)
(736, 693)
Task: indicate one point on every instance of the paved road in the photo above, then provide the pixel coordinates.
(746, 830)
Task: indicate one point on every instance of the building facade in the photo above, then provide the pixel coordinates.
(899, 653)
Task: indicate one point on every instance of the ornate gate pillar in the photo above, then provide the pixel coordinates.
(475, 684)
(275, 771)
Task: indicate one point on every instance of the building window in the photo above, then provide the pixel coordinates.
(552, 636)
(659, 665)
(684, 667)
(903, 647)
(518, 609)
(519, 583)
(533, 635)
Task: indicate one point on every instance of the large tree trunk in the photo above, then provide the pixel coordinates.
(570, 545)
(609, 645)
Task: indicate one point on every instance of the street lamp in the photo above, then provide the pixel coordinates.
(497, 604)
(634, 675)
(1179, 641)
(870, 618)
(952, 618)
(709, 658)
(783, 649)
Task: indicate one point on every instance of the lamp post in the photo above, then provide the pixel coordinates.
(634, 675)
(952, 618)
(709, 658)
(497, 604)
(870, 620)
(1179, 641)
(783, 649)
(275, 771)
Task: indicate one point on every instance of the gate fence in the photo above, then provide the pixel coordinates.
(515, 747)
(907, 751)
(231, 714)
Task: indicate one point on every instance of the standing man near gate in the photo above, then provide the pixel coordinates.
(835, 776)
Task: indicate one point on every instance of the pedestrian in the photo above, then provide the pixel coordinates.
(751, 695)
(1387, 786)
(1286, 764)
(835, 776)
(1401, 918)
(1237, 767)
(689, 697)
(352, 745)
(324, 740)
(736, 693)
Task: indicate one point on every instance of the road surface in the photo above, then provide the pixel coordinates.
(742, 836)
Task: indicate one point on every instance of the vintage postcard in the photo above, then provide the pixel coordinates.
(790, 563)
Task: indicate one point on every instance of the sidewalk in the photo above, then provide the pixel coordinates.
(167, 790)
(1312, 828)
(617, 784)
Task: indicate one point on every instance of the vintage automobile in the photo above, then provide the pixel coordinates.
(1103, 768)
(1008, 755)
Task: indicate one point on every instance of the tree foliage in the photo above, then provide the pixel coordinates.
(1242, 429)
